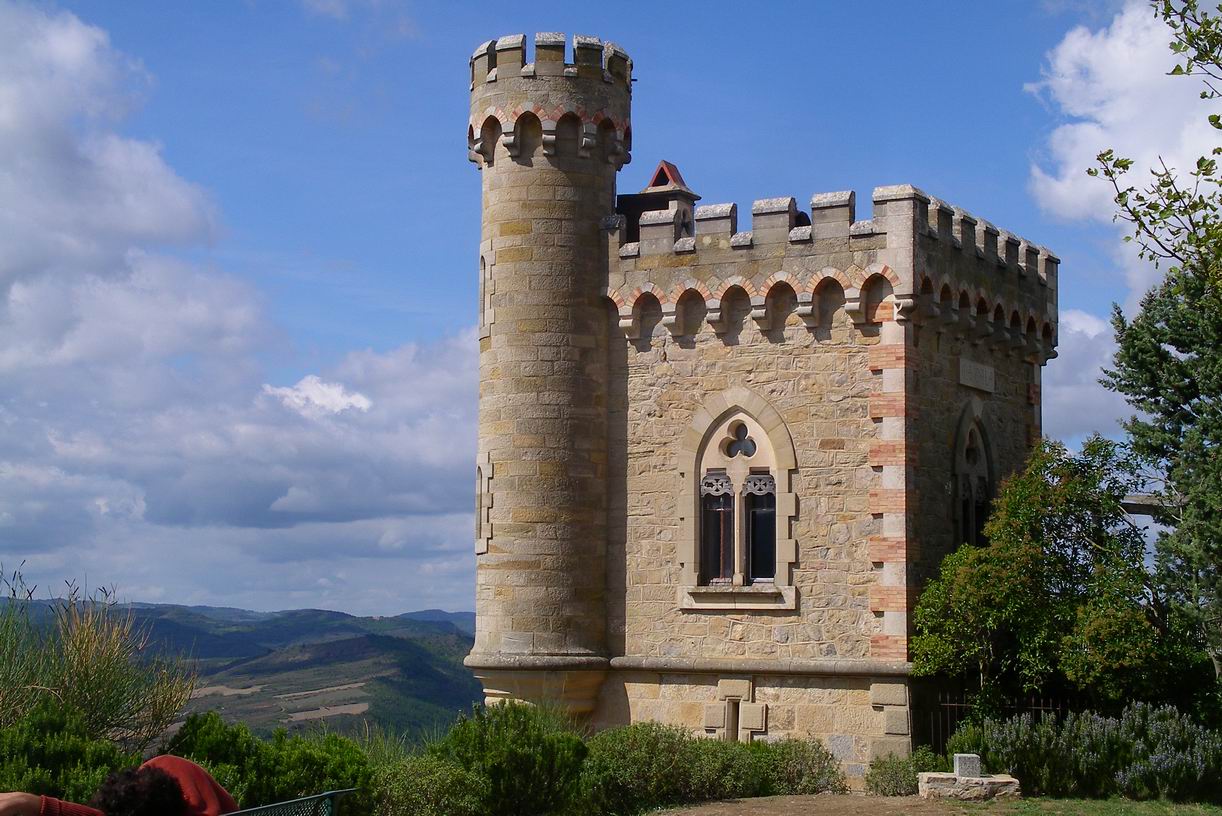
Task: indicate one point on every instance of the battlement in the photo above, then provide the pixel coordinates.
(506, 57)
(940, 262)
(549, 101)
(833, 215)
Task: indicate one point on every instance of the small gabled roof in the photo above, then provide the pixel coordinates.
(667, 179)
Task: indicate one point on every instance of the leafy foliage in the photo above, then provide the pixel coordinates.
(94, 660)
(25, 665)
(261, 772)
(794, 766)
(635, 768)
(719, 769)
(647, 765)
(50, 752)
(893, 775)
(530, 757)
(1147, 752)
(1166, 364)
(427, 786)
(1061, 594)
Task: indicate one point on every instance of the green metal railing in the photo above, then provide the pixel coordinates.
(322, 804)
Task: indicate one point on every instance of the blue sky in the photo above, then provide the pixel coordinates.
(238, 311)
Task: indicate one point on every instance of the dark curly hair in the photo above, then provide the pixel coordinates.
(140, 792)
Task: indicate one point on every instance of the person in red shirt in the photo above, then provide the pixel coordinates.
(163, 786)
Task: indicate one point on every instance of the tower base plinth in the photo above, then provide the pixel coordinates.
(572, 683)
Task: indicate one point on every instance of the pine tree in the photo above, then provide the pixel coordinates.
(1169, 359)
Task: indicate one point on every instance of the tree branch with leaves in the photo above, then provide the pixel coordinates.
(1168, 363)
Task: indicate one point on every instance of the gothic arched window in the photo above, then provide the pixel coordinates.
(759, 502)
(737, 505)
(716, 528)
(973, 480)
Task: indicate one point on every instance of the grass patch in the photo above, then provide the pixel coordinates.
(1086, 807)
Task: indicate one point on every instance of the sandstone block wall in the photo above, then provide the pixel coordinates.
(616, 344)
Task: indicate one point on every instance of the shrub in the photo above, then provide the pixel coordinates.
(636, 768)
(649, 765)
(91, 657)
(531, 757)
(724, 770)
(794, 766)
(104, 670)
(49, 752)
(1170, 756)
(924, 760)
(384, 747)
(259, 772)
(427, 786)
(1148, 752)
(891, 775)
(25, 664)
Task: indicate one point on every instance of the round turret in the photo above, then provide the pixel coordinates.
(548, 137)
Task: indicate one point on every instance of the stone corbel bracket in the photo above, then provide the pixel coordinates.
(670, 320)
(854, 306)
(905, 308)
(509, 138)
(483, 473)
(806, 311)
(629, 323)
(760, 314)
(713, 315)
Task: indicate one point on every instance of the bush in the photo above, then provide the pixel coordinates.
(89, 655)
(427, 786)
(794, 766)
(649, 765)
(898, 776)
(49, 752)
(1148, 752)
(259, 772)
(891, 775)
(25, 666)
(636, 768)
(725, 770)
(531, 757)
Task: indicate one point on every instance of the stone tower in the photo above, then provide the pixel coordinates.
(717, 461)
(548, 137)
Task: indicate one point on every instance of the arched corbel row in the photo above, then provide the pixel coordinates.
(969, 314)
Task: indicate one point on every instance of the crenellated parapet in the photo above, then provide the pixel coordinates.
(584, 100)
(987, 284)
(917, 259)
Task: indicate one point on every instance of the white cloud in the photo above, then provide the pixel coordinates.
(1075, 404)
(335, 9)
(313, 398)
(80, 195)
(140, 440)
(1112, 88)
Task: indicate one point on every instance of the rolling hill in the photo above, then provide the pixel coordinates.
(303, 667)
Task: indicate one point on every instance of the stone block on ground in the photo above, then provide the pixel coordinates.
(967, 765)
(968, 789)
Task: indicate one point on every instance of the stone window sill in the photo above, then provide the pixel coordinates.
(728, 598)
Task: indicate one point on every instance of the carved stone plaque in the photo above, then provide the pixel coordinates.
(976, 375)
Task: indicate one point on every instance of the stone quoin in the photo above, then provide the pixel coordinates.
(717, 461)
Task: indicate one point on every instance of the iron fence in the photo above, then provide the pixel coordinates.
(937, 712)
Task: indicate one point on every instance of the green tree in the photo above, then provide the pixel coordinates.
(1060, 595)
(1168, 363)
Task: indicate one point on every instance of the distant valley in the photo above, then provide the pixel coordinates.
(304, 667)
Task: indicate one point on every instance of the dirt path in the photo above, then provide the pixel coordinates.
(328, 711)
